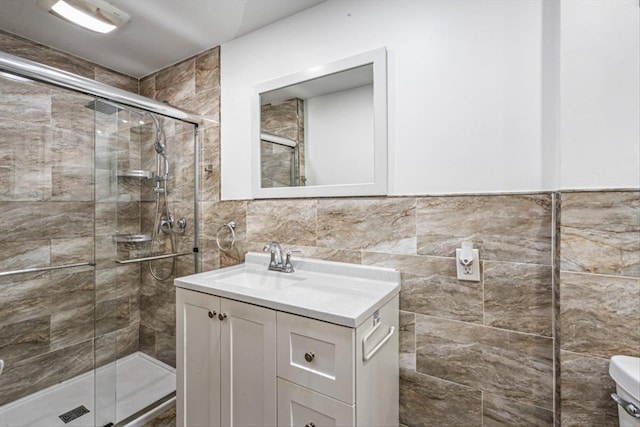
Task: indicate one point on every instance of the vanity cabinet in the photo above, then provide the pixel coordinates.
(226, 362)
(316, 347)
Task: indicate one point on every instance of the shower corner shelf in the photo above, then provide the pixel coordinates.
(131, 238)
(135, 173)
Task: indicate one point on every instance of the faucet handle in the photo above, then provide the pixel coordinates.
(287, 265)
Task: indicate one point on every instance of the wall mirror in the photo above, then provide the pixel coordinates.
(322, 132)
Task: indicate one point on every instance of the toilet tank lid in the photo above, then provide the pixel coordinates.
(625, 371)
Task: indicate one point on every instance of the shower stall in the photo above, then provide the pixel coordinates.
(98, 214)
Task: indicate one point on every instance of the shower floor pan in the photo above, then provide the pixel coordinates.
(139, 382)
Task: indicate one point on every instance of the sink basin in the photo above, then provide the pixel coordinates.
(258, 280)
(336, 292)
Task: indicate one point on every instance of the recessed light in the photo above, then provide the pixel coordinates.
(94, 15)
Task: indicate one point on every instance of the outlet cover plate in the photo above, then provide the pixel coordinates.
(474, 276)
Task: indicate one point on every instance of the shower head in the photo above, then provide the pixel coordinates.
(103, 107)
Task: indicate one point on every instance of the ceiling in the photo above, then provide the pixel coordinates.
(160, 32)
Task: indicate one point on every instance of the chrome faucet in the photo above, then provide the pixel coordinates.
(276, 263)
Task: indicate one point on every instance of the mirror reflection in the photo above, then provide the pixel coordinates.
(319, 132)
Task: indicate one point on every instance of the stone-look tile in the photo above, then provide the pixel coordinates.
(166, 419)
(208, 70)
(429, 401)
(600, 315)
(127, 340)
(376, 225)
(106, 349)
(166, 348)
(328, 254)
(429, 286)
(285, 221)
(63, 290)
(64, 220)
(518, 297)
(208, 104)
(22, 255)
(67, 251)
(72, 326)
(407, 345)
(22, 171)
(216, 214)
(502, 362)
(71, 183)
(209, 255)
(500, 411)
(27, 49)
(68, 111)
(115, 79)
(210, 164)
(25, 102)
(24, 339)
(176, 84)
(601, 232)
(22, 221)
(147, 340)
(148, 87)
(514, 228)
(112, 315)
(585, 389)
(30, 375)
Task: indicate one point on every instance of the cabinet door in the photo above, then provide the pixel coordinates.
(248, 365)
(197, 359)
(298, 406)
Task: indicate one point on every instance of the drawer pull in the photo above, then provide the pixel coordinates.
(212, 314)
(366, 356)
(310, 424)
(222, 316)
(309, 356)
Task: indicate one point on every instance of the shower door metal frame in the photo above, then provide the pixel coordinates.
(43, 73)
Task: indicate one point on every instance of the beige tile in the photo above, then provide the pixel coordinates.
(69, 327)
(24, 339)
(69, 111)
(429, 286)
(600, 315)
(25, 102)
(518, 297)
(284, 221)
(67, 251)
(115, 79)
(407, 330)
(30, 375)
(176, 84)
(600, 232)
(23, 255)
(375, 225)
(429, 401)
(148, 86)
(493, 360)
(585, 389)
(514, 228)
(208, 70)
(501, 411)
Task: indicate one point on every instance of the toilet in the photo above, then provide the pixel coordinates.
(625, 371)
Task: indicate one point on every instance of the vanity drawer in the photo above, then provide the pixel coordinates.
(299, 406)
(317, 355)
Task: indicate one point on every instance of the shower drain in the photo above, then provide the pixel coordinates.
(67, 417)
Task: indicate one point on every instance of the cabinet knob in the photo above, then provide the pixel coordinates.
(309, 356)
(310, 424)
(212, 314)
(222, 316)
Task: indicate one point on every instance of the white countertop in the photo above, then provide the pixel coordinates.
(336, 292)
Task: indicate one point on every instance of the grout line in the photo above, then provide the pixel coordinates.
(584, 273)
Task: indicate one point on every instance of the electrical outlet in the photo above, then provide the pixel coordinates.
(469, 273)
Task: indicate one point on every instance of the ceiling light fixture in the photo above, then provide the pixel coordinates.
(94, 15)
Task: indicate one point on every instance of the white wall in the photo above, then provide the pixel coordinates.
(467, 82)
(600, 94)
(338, 133)
(464, 88)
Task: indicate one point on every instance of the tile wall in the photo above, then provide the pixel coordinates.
(48, 216)
(599, 311)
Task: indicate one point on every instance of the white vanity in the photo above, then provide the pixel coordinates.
(316, 347)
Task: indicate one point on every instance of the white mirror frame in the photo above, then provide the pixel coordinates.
(378, 58)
